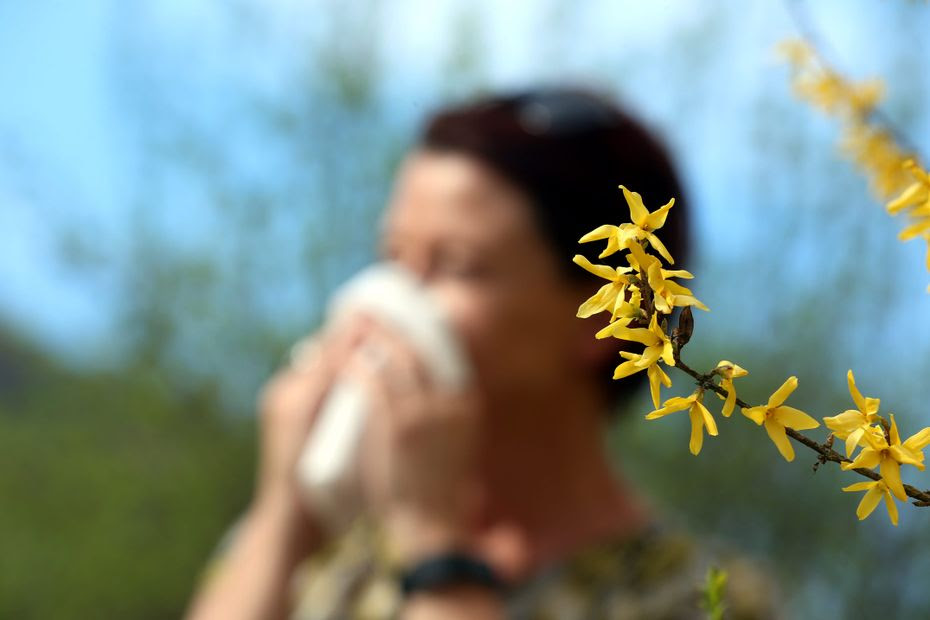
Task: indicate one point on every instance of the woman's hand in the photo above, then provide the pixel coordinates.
(290, 402)
(418, 449)
(418, 469)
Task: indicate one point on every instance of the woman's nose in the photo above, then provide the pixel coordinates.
(417, 263)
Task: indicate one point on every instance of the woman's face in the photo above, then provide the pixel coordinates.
(471, 237)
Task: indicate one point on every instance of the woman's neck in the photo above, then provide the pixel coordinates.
(547, 485)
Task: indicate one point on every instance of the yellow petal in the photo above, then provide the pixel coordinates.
(853, 440)
(917, 228)
(641, 261)
(662, 303)
(919, 440)
(844, 423)
(601, 232)
(622, 308)
(602, 271)
(676, 403)
(626, 369)
(854, 391)
(656, 219)
(659, 247)
(782, 393)
(892, 508)
(891, 475)
(874, 438)
(907, 457)
(677, 273)
(600, 301)
(672, 287)
(909, 197)
(795, 418)
(860, 486)
(869, 502)
(730, 402)
(638, 211)
(893, 432)
(867, 459)
(636, 334)
(756, 414)
(613, 245)
(706, 418)
(668, 353)
(697, 432)
(777, 434)
(608, 331)
(730, 370)
(688, 300)
(657, 377)
(650, 356)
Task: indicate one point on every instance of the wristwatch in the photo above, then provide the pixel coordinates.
(447, 569)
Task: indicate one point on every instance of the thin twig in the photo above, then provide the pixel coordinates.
(825, 452)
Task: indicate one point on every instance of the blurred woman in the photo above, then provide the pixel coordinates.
(498, 500)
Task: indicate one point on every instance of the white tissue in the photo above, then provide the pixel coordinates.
(328, 466)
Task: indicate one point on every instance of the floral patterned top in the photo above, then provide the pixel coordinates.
(658, 575)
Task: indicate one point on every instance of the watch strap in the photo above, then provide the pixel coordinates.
(451, 568)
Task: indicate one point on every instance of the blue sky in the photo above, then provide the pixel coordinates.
(67, 147)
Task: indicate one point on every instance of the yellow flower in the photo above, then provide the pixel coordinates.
(917, 194)
(828, 90)
(919, 226)
(729, 371)
(608, 297)
(777, 417)
(796, 51)
(656, 375)
(875, 151)
(658, 346)
(667, 294)
(624, 312)
(890, 456)
(875, 491)
(852, 424)
(607, 231)
(700, 417)
(642, 227)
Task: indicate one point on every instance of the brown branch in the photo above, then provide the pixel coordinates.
(824, 451)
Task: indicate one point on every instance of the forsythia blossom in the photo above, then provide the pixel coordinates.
(643, 225)
(609, 296)
(655, 374)
(915, 202)
(889, 453)
(667, 293)
(700, 417)
(776, 416)
(871, 146)
(622, 296)
(729, 371)
(852, 424)
(658, 346)
(876, 490)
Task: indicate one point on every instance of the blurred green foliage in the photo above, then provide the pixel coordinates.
(115, 486)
